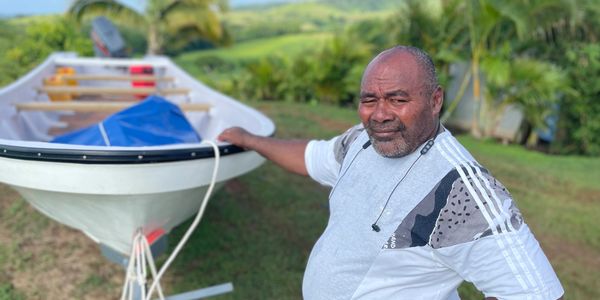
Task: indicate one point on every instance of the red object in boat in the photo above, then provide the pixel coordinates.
(144, 70)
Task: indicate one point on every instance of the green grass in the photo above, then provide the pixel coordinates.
(288, 45)
(259, 228)
(7, 292)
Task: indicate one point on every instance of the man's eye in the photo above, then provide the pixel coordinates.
(398, 100)
(368, 100)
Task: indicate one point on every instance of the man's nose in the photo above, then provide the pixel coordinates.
(382, 112)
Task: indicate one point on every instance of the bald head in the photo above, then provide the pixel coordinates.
(392, 58)
(400, 101)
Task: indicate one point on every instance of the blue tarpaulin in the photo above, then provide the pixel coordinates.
(154, 121)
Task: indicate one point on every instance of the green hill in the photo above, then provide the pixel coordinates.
(259, 22)
(363, 5)
(287, 45)
(217, 66)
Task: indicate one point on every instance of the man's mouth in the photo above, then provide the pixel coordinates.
(386, 131)
(384, 134)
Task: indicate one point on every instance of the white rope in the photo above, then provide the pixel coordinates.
(141, 267)
(136, 268)
(129, 274)
(194, 224)
(152, 267)
(142, 255)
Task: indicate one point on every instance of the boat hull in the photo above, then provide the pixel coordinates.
(111, 192)
(113, 219)
(109, 203)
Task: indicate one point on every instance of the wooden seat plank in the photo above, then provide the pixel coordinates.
(108, 77)
(97, 106)
(93, 90)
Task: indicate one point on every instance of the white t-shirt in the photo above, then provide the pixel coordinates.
(447, 221)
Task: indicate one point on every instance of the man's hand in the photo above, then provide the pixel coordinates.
(288, 154)
(237, 136)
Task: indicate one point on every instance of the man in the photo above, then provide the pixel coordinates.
(412, 214)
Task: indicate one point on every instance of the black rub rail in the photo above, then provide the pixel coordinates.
(113, 156)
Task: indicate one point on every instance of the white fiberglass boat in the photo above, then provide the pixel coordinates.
(110, 192)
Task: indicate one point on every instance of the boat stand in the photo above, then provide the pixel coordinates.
(135, 288)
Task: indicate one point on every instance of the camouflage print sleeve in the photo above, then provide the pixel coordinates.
(342, 144)
(459, 209)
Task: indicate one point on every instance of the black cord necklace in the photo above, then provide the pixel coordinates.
(424, 151)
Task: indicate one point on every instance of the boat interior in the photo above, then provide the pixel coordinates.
(63, 97)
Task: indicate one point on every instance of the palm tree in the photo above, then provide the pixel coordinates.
(494, 25)
(162, 18)
(533, 85)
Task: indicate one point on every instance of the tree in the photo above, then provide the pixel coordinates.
(194, 18)
(533, 85)
(572, 43)
(29, 47)
(496, 25)
(341, 63)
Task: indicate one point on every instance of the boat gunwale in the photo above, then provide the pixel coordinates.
(86, 154)
(111, 156)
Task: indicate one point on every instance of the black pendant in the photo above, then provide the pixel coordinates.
(375, 227)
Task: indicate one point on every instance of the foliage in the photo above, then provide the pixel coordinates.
(39, 40)
(136, 42)
(225, 68)
(533, 85)
(303, 68)
(517, 49)
(340, 66)
(571, 43)
(580, 118)
(187, 20)
(434, 26)
(263, 79)
(330, 75)
(8, 34)
(500, 40)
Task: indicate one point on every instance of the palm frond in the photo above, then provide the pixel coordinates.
(191, 5)
(83, 9)
(205, 22)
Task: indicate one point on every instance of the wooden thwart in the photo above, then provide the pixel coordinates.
(97, 106)
(117, 77)
(89, 90)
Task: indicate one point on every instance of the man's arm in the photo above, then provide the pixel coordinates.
(288, 154)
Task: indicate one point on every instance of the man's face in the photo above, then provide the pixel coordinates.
(395, 107)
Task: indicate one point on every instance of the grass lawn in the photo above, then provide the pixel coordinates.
(258, 229)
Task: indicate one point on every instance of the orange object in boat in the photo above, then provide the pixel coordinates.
(58, 79)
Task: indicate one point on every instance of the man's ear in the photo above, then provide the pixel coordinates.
(437, 99)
